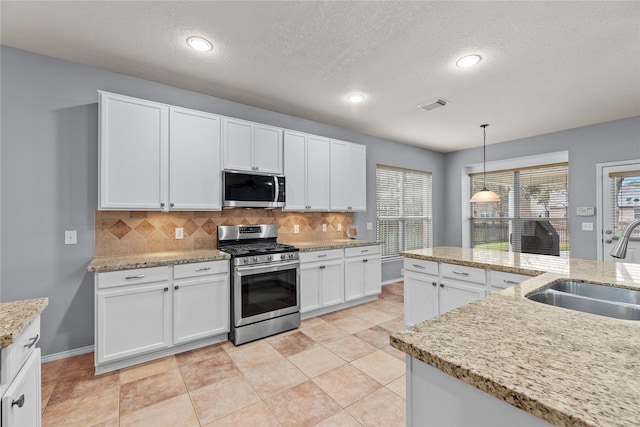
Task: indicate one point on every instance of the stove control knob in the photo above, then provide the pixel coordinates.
(283, 256)
(245, 260)
(269, 257)
(290, 256)
(255, 259)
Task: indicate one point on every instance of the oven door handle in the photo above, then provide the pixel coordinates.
(267, 267)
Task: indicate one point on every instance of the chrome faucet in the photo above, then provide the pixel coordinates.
(620, 249)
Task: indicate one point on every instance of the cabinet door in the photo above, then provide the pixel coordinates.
(454, 295)
(372, 275)
(318, 173)
(194, 154)
(132, 321)
(200, 308)
(332, 283)
(309, 288)
(295, 155)
(358, 178)
(267, 149)
(353, 278)
(21, 403)
(420, 298)
(134, 137)
(237, 140)
(340, 186)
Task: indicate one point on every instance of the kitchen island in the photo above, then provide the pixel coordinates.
(562, 366)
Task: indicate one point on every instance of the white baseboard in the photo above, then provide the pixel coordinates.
(388, 282)
(65, 354)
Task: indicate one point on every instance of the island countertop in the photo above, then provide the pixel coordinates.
(16, 316)
(319, 245)
(564, 366)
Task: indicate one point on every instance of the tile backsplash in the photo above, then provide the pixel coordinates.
(133, 232)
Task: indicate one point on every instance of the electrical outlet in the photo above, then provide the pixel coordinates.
(339, 227)
(70, 237)
(587, 226)
(296, 228)
(324, 228)
(369, 226)
(179, 233)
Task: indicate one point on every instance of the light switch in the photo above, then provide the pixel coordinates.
(369, 226)
(296, 228)
(587, 226)
(70, 237)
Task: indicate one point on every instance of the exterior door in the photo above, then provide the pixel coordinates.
(619, 205)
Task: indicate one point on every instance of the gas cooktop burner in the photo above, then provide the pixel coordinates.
(257, 248)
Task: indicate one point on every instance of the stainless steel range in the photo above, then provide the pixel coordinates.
(265, 276)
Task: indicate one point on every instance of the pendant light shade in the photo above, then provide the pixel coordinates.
(484, 195)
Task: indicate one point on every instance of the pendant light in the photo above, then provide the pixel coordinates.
(484, 195)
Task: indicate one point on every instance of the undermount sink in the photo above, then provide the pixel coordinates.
(592, 298)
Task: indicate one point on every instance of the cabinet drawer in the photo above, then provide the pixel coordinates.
(21, 403)
(321, 255)
(362, 251)
(14, 356)
(461, 272)
(502, 280)
(421, 266)
(197, 269)
(132, 277)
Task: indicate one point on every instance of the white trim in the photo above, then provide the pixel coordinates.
(496, 165)
(599, 202)
(68, 353)
(390, 282)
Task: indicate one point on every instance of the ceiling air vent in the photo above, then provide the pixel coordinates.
(433, 104)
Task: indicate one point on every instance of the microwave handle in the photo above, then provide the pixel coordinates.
(277, 187)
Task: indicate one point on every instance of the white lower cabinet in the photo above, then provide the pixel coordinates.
(147, 313)
(321, 279)
(20, 380)
(363, 272)
(432, 289)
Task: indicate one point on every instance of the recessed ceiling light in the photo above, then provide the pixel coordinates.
(468, 61)
(199, 44)
(355, 98)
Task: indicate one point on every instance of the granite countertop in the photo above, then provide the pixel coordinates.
(564, 366)
(154, 259)
(320, 245)
(16, 316)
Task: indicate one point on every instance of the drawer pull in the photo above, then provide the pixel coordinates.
(322, 267)
(203, 269)
(32, 342)
(365, 260)
(176, 287)
(442, 285)
(141, 276)
(19, 401)
(460, 273)
(322, 256)
(364, 250)
(510, 282)
(166, 289)
(419, 266)
(434, 283)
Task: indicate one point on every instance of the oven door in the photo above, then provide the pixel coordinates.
(262, 292)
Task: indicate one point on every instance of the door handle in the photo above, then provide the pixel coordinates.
(19, 401)
(32, 341)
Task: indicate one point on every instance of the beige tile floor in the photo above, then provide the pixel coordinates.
(335, 370)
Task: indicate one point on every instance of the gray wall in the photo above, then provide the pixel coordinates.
(587, 146)
(49, 156)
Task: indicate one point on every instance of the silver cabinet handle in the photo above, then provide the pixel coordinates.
(322, 256)
(19, 401)
(510, 282)
(176, 287)
(203, 269)
(141, 276)
(419, 266)
(460, 273)
(32, 342)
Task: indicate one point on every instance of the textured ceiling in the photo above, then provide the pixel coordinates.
(547, 66)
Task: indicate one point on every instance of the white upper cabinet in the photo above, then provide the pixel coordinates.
(157, 157)
(251, 147)
(194, 154)
(134, 138)
(348, 176)
(307, 168)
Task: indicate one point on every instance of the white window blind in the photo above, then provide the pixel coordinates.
(626, 200)
(532, 214)
(403, 209)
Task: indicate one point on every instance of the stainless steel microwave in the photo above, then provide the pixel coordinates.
(250, 190)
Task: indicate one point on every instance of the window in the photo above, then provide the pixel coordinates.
(403, 209)
(626, 203)
(532, 214)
